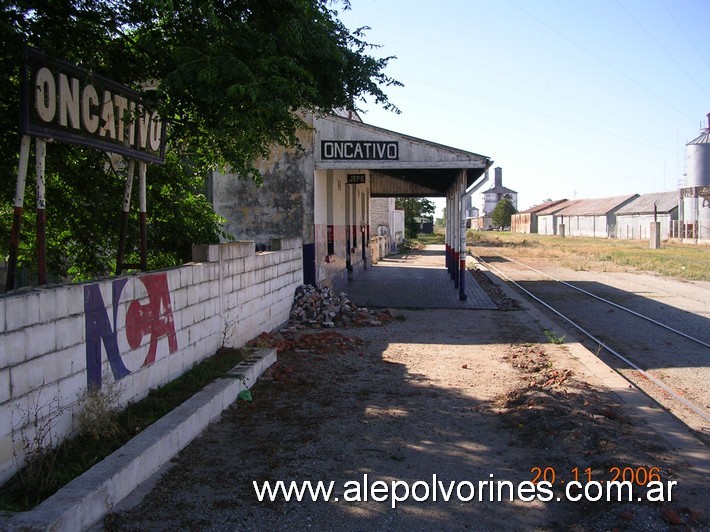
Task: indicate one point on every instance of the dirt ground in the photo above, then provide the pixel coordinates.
(460, 394)
(679, 363)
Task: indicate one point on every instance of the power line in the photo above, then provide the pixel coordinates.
(604, 62)
(686, 34)
(662, 48)
(538, 113)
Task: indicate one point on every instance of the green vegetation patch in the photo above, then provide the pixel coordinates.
(104, 430)
(689, 262)
(431, 238)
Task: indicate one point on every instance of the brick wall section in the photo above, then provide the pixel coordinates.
(380, 213)
(227, 296)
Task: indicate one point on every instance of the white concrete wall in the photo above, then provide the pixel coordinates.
(594, 226)
(56, 342)
(638, 226)
(398, 228)
(379, 248)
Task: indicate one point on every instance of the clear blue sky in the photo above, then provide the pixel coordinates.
(571, 98)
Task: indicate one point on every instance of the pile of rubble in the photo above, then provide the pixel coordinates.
(321, 307)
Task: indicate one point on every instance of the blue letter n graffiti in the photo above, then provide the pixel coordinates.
(99, 330)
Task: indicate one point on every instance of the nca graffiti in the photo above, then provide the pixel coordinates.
(154, 318)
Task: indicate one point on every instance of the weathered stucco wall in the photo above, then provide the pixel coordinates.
(341, 213)
(379, 248)
(281, 206)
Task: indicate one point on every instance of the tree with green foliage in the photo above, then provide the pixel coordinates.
(441, 222)
(414, 209)
(502, 213)
(232, 78)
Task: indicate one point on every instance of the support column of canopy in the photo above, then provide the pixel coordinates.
(456, 207)
(449, 230)
(462, 235)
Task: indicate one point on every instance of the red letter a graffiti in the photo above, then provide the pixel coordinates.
(154, 318)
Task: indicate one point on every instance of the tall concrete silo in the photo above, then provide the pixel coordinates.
(696, 192)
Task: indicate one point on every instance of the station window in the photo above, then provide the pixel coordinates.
(331, 241)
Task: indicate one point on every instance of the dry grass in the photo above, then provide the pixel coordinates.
(680, 261)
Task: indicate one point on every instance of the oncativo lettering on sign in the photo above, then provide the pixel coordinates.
(375, 150)
(65, 102)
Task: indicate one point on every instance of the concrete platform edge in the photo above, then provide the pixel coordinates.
(88, 498)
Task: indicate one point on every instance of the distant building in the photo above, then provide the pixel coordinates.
(592, 217)
(633, 220)
(694, 207)
(493, 196)
(472, 216)
(547, 218)
(426, 225)
(527, 221)
(386, 220)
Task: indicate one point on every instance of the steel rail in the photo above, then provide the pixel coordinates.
(676, 331)
(618, 355)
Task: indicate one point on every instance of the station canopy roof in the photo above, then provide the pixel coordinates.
(399, 165)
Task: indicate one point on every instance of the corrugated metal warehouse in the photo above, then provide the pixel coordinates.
(633, 220)
(592, 217)
(527, 221)
(547, 218)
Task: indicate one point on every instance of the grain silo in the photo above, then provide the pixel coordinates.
(696, 193)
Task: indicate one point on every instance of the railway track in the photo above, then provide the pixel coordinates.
(661, 349)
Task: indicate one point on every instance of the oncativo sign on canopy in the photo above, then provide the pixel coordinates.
(368, 150)
(67, 103)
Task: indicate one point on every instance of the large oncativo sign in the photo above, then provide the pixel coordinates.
(65, 102)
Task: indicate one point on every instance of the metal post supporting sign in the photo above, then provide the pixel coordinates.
(17, 212)
(143, 214)
(143, 218)
(124, 217)
(41, 155)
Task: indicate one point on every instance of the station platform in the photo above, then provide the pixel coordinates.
(415, 280)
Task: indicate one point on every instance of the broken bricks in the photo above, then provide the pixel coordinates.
(321, 307)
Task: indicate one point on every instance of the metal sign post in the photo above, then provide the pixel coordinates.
(143, 214)
(41, 155)
(124, 216)
(143, 218)
(17, 214)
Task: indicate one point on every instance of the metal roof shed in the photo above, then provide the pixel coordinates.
(633, 220)
(527, 221)
(547, 218)
(593, 217)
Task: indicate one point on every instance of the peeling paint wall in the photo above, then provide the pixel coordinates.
(340, 211)
(282, 206)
